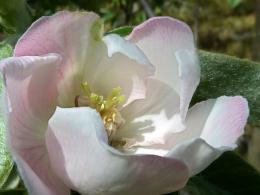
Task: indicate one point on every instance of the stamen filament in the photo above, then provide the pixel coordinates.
(107, 107)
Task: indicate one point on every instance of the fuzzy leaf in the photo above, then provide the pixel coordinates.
(8, 179)
(226, 75)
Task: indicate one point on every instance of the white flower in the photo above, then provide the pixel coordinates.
(70, 128)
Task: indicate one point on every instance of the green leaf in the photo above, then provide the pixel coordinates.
(15, 18)
(228, 175)
(13, 180)
(225, 75)
(13, 192)
(122, 31)
(5, 50)
(8, 178)
(233, 3)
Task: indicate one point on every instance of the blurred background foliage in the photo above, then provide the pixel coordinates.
(226, 26)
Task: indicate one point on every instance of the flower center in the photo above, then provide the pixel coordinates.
(107, 107)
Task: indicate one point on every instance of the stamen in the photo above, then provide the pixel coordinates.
(107, 107)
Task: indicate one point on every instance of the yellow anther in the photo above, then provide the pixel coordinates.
(102, 107)
(86, 89)
(114, 99)
(116, 92)
(107, 107)
(121, 99)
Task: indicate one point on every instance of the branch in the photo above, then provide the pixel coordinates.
(147, 8)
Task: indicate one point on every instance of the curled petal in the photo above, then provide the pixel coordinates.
(229, 116)
(76, 37)
(125, 66)
(31, 85)
(218, 121)
(149, 121)
(40, 179)
(197, 154)
(117, 44)
(213, 127)
(31, 91)
(77, 143)
(189, 74)
(169, 45)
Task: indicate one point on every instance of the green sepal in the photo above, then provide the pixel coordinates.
(122, 31)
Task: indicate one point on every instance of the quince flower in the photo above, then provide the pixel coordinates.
(109, 115)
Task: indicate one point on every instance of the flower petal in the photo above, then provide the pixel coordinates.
(76, 37)
(124, 65)
(117, 44)
(150, 121)
(31, 84)
(218, 123)
(197, 154)
(31, 90)
(229, 116)
(42, 181)
(77, 143)
(189, 73)
(169, 45)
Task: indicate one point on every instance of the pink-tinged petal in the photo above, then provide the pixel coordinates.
(149, 121)
(31, 85)
(76, 37)
(213, 126)
(220, 122)
(189, 74)
(117, 44)
(124, 65)
(31, 91)
(42, 181)
(169, 45)
(196, 154)
(77, 146)
(226, 121)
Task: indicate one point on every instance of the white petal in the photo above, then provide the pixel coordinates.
(40, 178)
(76, 37)
(150, 121)
(226, 121)
(116, 44)
(77, 146)
(218, 121)
(213, 127)
(125, 66)
(31, 89)
(197, 154)
(169, 45)
(189, 73)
